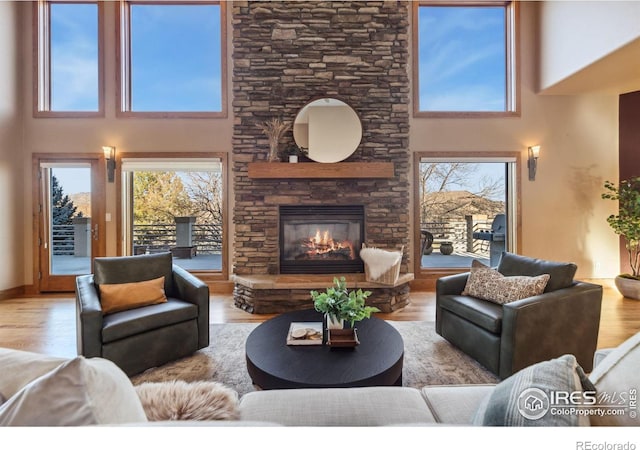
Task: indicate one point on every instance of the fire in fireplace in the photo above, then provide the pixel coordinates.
(321, 239)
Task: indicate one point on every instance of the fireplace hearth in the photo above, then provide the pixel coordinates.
(321, 239)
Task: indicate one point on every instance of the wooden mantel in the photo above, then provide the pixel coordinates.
(266, 170)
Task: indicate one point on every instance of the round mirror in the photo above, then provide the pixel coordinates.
(329, 129)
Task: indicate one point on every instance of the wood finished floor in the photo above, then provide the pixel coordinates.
(46, 324)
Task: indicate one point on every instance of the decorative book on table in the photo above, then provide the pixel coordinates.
(305, 333)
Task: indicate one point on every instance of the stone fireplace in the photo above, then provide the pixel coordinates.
(286, 54)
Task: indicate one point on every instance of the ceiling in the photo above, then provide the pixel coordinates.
(616, 73)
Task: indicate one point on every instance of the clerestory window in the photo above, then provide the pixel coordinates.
(465, 58)
(69, 81)
(172, 59)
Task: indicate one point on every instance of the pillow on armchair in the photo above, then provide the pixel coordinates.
(560, 274)
(124, 296)
(488, 284)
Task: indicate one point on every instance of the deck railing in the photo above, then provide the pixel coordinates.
(62, 239)
(207, 238)
(460, 233)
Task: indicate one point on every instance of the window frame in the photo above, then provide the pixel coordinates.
(206, 275)
(123, 61)
(512, 63)
(42, 61)
(513, 199)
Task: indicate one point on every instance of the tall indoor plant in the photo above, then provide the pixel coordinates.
(627, 224)
(339, 304)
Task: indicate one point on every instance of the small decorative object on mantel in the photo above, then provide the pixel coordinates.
(274, 129)
(341, 305)
(293, 152)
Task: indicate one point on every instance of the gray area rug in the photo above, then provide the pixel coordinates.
(428, 360)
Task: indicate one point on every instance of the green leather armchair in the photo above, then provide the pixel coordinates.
(149, 336)
(565, 319)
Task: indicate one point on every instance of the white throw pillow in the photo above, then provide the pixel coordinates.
(78, 392)
(20, 368)
(617, 383)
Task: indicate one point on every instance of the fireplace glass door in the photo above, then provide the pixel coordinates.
(321, 239)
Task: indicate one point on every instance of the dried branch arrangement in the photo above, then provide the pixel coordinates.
(274, 129)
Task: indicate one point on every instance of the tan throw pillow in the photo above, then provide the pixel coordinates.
(79, 392)
(488, 284)
(121, 297)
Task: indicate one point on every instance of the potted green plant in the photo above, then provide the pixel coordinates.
(627, 224)
(341, 305)
(295, 154)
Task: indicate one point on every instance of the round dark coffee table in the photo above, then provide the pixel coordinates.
(272, 364)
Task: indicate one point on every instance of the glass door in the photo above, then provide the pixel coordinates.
(467, 210)
(175, 205)
(70, 230)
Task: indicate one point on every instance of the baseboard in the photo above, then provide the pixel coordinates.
(12, 293)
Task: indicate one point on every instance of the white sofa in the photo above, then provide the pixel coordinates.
(49, 391)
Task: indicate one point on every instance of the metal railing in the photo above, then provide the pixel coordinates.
(162, 237)
(207, 238)
(62, 240)
(460, 233)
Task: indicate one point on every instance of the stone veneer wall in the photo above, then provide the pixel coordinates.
(288, 53)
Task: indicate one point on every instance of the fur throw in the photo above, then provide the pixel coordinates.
(179, 400)
(379, 261)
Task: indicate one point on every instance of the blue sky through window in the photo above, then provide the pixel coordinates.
(175, 58)
(462, 59)
(74, 57)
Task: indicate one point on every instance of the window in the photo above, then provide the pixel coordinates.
(175, 204)
(467, 209)
(69, 59)
(172, 59)
(464, 59)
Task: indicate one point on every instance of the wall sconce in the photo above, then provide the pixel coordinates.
(532, 161)
(110, 157)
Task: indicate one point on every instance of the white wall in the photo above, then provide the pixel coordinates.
(12, 191)
(563, 216)
(575, 34)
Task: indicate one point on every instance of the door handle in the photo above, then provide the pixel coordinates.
(95, 232)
